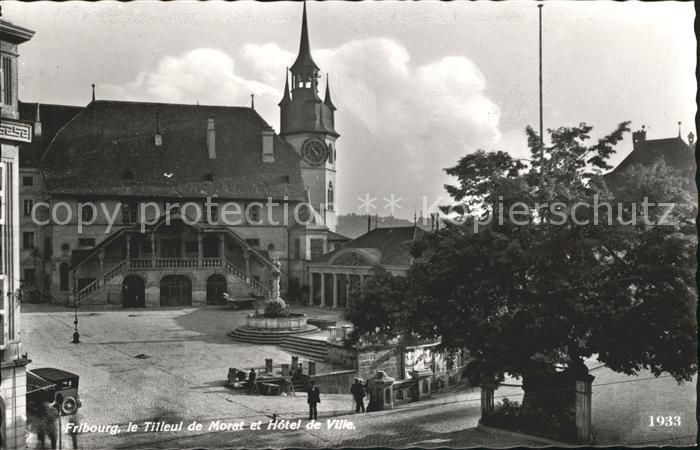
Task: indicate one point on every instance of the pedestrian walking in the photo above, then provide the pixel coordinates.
(314, 398)
(42, 419)
(358, 393)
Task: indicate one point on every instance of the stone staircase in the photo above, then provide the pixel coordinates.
(267, 337)
(310, 348)
(99, 284)
(89, 292)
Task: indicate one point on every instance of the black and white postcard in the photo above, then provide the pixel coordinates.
(335, 224)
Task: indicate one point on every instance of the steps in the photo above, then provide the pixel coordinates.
(311, 348)
(267, 337)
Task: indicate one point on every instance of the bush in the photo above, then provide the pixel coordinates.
(510, 415)
(276, 308)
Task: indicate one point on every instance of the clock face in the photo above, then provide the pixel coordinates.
(315, 151)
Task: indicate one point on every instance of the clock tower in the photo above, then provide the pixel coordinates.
(307, 123)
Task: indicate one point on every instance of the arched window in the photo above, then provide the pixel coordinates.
(330, 196)
(64, 271)
(331, 156)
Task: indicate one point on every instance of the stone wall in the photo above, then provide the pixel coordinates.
(388, 358)
(342, 356)
(338, 382)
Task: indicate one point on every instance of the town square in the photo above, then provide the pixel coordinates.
(348, 224)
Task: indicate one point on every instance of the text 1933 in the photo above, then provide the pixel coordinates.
(664, 421)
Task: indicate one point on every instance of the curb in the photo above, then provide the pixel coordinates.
(545, 441)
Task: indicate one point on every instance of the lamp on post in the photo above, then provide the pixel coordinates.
(76, 335)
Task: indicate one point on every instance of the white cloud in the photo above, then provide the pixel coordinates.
(204, 75)
(401, 123)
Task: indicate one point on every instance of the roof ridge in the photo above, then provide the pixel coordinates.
(135, 102)
(51, 104)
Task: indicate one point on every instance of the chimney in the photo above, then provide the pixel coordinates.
(211, 139)
(37, 121)
(158, 138)
(369, 223)
(268, 147)
(691, 139)
(638, 137)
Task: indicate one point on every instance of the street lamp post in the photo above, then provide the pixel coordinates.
(76, 335)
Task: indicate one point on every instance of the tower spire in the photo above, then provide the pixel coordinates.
(327, 99)
(304, 58)
(286, 98)
(252, 101)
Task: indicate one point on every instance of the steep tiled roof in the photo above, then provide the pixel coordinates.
(392, 244)
(332, 236)
(53, 118)
(675, 152)
(109, 149)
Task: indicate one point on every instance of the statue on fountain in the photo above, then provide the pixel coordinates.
(275, 306)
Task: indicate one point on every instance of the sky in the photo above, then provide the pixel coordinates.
(417, 84)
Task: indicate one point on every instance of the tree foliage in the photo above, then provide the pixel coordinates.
(538, 294)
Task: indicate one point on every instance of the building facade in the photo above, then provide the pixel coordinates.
(139, 204)
(13, 132)
(333, 278)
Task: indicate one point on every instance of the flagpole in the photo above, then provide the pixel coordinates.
(540, 84)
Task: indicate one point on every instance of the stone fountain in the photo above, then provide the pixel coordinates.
(276, 321)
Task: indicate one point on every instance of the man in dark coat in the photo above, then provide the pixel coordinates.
(358, 393)
(251, 380)
(314, 397)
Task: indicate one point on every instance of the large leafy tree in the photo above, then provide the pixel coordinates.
(534, 293)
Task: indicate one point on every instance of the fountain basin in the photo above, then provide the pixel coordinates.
(272, 330)
(292, 322)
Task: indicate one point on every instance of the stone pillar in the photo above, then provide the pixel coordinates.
(381, 395)
(323, 289)
(183, 247)
(101, 257)
(487, 399)
(222, 245)
(362, 281)
(345, 331)
(128, 246)
(584, 430)
(312, 368)
(335, 290)
(153, 249)
(268, 365)
(422, 378)
(347, 290)
(295, 362)
(246, 255)
(200, 249)
(311, 288)
(285, 370)
(331, 333)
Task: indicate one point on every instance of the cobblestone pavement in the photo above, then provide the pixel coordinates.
(183, 377)
(189, 355)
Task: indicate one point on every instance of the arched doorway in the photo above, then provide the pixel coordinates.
(216, 286)
(175, 290)
(133, 292)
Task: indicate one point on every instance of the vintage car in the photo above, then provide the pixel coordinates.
(55, 386)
